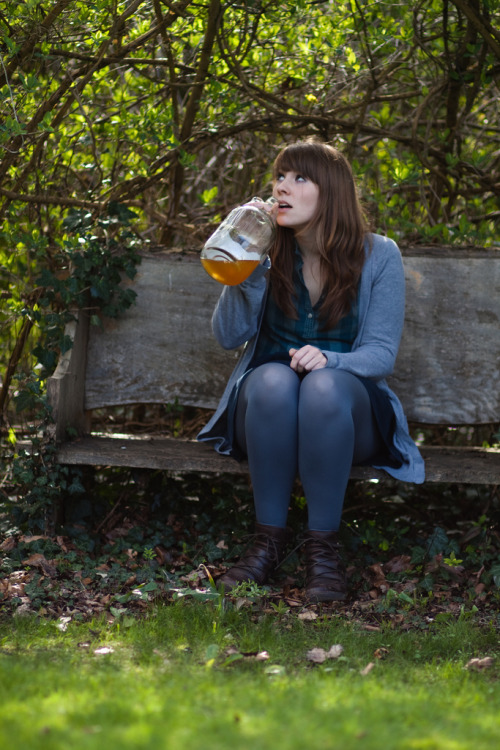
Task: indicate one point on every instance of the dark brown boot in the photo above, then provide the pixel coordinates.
(260, 559)
(325, 570)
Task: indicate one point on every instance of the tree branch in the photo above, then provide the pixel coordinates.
(489, 34)
(33, 39)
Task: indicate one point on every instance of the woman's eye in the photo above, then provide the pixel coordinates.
(300, 178)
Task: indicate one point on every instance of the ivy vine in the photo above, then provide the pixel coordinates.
(84, 272)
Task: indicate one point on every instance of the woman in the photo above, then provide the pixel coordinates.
(322, 324)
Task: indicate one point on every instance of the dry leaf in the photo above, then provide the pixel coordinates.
(479, 664)
(319, 655)
(26, 539)
(308, 616)
(8, 544)
(61, 543)
(377, 575)
(257, 655)
(262, 656)
(316, 655)
(39, 561)
(367, 669)
(380, 653)
(398, 564)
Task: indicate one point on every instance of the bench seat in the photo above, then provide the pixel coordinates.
(162, 351)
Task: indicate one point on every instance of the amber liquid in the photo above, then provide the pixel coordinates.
(229, 272)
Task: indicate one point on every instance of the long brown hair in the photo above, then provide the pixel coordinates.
(340, 230)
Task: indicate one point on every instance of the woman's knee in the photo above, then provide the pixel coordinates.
(330, 392)
(271, 386)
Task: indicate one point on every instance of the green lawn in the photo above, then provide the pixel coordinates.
(187, 676)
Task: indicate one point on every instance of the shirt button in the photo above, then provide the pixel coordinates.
(310, 315)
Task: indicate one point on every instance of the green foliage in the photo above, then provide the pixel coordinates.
(164, 115)
(85, 273)
(42, 483)
(177, 112)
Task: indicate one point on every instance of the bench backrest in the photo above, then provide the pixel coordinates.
(447, 371)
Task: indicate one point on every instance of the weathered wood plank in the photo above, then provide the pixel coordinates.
(162, 348)
(66, 387)
(464, 465)
(448, 365)
(447, 372)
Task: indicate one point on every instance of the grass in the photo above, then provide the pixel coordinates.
(192, 676)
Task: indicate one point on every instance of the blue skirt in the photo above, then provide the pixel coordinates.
(381, 408)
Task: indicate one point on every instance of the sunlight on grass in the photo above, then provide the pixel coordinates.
(164, 684)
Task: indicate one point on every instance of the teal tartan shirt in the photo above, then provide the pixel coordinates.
(279, 333)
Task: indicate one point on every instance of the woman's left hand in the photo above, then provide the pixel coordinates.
(307, 358)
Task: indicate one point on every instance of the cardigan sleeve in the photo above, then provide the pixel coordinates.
(237, 313)
(382, 303)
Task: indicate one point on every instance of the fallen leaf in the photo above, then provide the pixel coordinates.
(39, 561)
(308, 615)
(63, 623)
(398, 564)
(241, 602)
(28, 539)
(367, 669)
(8, 544)
(257, 655)
(335, 651)
(480, 664)
(319, 655)
(316, 655)
(275, 669)
(262, 656)
(61, 543)
(381, 653)
(377, 575)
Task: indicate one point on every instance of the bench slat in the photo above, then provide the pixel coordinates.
(463, 465)
(447, 370)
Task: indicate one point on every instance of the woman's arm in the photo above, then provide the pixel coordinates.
(236, 316)
(376, 346)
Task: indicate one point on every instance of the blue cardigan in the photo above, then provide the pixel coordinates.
(238, 316)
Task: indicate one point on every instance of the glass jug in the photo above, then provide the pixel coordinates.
(240, 243)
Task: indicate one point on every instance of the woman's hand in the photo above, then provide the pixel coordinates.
(307, 358)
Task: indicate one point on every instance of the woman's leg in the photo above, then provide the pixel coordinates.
(336, 428)
(266, 430)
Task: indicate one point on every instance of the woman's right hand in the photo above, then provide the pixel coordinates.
(307, 358)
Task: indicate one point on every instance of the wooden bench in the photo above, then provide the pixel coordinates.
(162, 351)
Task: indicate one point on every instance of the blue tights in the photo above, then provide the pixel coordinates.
(314, 426)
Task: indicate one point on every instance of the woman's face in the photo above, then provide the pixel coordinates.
(297, 198)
